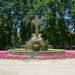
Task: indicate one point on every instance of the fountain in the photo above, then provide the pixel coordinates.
(35, 45)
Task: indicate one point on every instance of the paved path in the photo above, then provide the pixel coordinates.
(37, 67)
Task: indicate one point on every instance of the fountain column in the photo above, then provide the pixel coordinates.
(36, 42)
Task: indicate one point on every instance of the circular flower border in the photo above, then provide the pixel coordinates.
(6, 55)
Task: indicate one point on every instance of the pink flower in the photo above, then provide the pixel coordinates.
(68, 54)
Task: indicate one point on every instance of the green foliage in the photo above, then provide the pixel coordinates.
(17, 14)
(8, 5)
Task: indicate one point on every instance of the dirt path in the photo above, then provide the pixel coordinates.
(37, 67)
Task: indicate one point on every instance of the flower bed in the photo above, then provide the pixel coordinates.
(6, 55)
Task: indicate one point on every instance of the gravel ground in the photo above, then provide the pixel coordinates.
(37, 67)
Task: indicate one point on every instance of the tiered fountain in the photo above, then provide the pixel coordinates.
(36, 45)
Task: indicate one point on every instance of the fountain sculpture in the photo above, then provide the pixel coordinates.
(36, 43)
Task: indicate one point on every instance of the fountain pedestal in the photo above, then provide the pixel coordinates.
(36, 43)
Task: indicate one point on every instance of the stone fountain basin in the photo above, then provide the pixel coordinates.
(37, 53)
